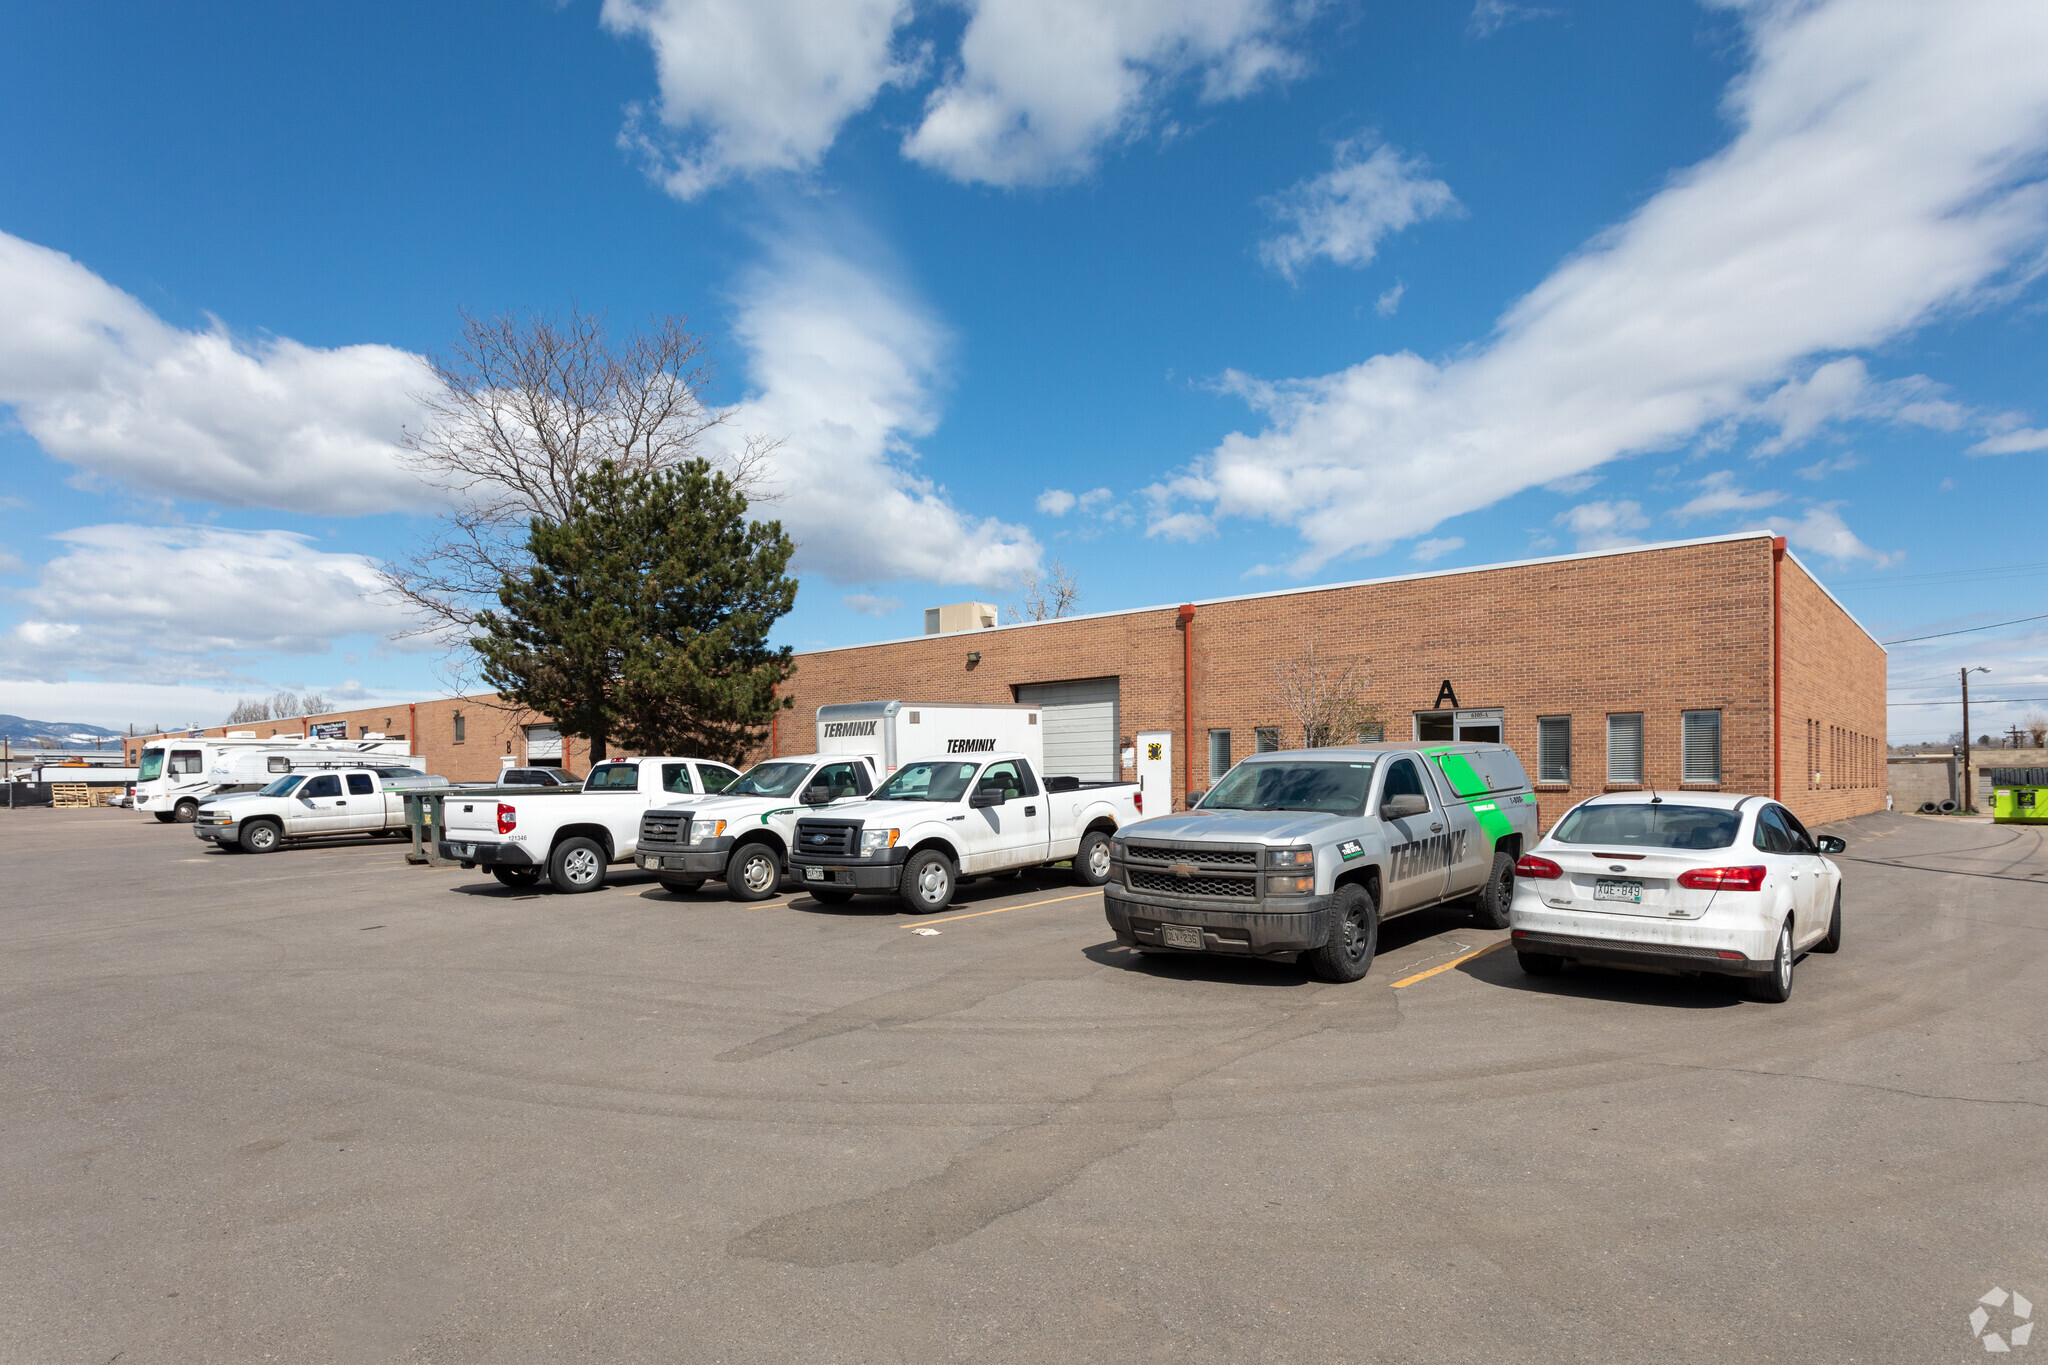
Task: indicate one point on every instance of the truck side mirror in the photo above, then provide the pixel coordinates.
(1195, 799)
(1403, 806)
(818, 795)
(984, 797)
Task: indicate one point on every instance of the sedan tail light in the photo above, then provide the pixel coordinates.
(1538, 869)
(1723, 878)
(508, 818)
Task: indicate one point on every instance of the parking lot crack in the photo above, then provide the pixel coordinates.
(1856, 1085)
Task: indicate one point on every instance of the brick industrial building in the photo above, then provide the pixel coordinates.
(1708, 664)
(1719, 664)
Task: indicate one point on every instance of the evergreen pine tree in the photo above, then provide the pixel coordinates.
(644, 619)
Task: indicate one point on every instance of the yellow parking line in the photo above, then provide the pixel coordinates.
(999, 910)
(1424, 976)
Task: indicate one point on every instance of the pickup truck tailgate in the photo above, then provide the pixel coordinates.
(474, 817)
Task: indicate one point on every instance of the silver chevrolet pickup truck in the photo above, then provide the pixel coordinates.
(1305, 851)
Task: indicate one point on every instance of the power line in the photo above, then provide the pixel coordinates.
(1974, 701)
(1943, 635)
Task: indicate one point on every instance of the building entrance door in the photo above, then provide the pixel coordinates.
(1155, 771)
(1482, 725)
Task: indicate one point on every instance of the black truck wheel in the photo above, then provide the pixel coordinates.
(1499, 892)
(927, 882)
(518, 878)
(1091, 859)
(577, 865)
(1354, 937)
(682, 886)
(827, 896)
(261, 836)
(753, 873)
(186, 811)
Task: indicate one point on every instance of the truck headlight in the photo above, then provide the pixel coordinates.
(704, 831)
(1290, 857)
(873, 841)
(1291, 885)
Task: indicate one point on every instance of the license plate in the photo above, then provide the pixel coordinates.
(1607, 889)
(673, 864)
(1180, 935)
(814, 874)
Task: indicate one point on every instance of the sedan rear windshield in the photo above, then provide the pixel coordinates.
(1333, 788)
(1642, 825)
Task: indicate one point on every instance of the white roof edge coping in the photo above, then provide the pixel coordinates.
(1356, 583)
(1834, 599)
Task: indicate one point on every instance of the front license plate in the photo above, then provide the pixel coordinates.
(1180, 935)
(674, 864)
(814, 874)
(1607, 889)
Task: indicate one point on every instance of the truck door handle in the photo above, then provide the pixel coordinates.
(1436, 829)
(1031, 810)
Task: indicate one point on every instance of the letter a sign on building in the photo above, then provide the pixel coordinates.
(1444, 694)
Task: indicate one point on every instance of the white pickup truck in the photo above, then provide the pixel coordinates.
(742, 837)
(937, 820)
(570, 836)
(311, 805)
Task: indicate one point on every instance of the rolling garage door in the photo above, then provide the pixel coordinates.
(1080, 726)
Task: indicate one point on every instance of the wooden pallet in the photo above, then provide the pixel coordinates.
(70, 795)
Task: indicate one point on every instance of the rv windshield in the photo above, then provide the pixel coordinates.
(283, 786)
(152, 766)
(778, 780)
(928, 782)
(1335, 788)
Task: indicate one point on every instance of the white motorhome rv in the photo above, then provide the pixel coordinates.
(177, 775)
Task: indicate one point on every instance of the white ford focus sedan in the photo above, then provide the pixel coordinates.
(1686, 882)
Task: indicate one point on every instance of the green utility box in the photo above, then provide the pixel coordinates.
(2019, 796)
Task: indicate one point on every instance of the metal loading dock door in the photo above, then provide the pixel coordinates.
(1080, 726)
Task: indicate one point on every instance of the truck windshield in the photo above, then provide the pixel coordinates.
(152, 766)
(613, 777)
(770, 779)
(928, 782)
(283, 786)
(1642, 825)
(1333, 788)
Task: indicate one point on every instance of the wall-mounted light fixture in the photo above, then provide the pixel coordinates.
(973, 657)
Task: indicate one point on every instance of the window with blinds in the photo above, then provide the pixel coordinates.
(1553, 748)
(1700, 746)
(1219, 754)
(1625, 747)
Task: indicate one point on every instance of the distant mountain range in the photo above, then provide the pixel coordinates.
(54, 734)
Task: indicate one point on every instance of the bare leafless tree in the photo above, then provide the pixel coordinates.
(1056, 594)
(2036, 726)
(278, 706)
(1324, 697)
(520, 408)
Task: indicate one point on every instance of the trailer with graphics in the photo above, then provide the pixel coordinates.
(1304, 852)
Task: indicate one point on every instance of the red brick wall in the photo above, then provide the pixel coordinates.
(1657, 631)
(1832, 747)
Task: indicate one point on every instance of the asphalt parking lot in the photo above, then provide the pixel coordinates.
(322, 1106)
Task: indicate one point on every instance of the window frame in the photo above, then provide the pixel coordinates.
(1265, 739)
(1216, 771)
(1542, 776)
(1642, 758)
(1686, 721)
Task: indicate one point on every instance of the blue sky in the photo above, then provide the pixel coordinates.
(1196, 296)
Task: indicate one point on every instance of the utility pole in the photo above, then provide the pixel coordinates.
(1969, 803)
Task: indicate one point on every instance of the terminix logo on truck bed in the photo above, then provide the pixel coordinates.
(849, 729)
(970, 746)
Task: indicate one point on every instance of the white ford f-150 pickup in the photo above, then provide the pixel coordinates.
(311, 805)
(938, 819)
(742, 836)
(570, 837)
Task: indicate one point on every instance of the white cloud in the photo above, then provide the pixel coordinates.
(843, 366)
(1041, 85)
(867, 604)
(102, 383)
(2012, 442)
(1720, 494)
(1342, 214)
(1491, 16)
(1056, 502)
(1389, 300)
(1181, 526)
(1605, 525)
(1431, 550)
(755, 85)
(1820, 469)
(178, 604)
(1843, 389)
(149, 706)
(1823, 532)
(1884, 168)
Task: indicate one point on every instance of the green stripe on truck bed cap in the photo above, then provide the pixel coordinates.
(1493, 822)
(1458, 771)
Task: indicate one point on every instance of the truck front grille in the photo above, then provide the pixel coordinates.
(1232, 888)
(664, 829)
(827, 838)
(1191, 853)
